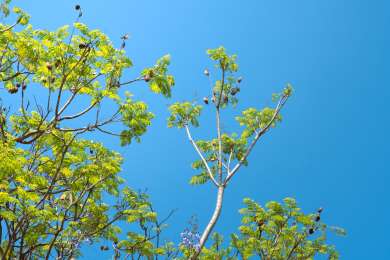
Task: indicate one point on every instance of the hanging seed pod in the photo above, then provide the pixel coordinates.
(77, 7)
(239, 80)
(260, 223)
(214, 98)
(317, 218)
(147, 78)
(311, 231)
(24, 86)
(83, 45)
(13, 90)
(225, 99)
(58, 63)
(206, 72)
(320, 210)
(125, 37)
(206, 100)
(104, 248)
(234, 91)
(49, 66)
(17, 85)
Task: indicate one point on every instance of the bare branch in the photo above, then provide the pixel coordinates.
(201, 156)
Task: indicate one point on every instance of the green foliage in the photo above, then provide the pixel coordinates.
(281, 231)
(183, 114)
(255, 120)
(233, 148)
(226, 149)
(278, 231)
(136, 118)
(157, 77)
(225, 62)
(83, 64)
(54, 184)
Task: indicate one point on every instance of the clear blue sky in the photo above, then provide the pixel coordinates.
(330, 150)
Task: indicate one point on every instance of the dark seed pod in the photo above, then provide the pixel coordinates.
(13, 90)
(77, 7)
(102, 248)
(206, 100)
(234, 91)
(24, 86)
(206, 72)
(214, 99)
(90, 151)
(48, 66)
(58, 63)
(239, 80)
(123, 45)
(147, 78)
(225, 99)
(82, 45)
(260, 223)
(320, 210)
(125, 37)
(17, 85)
(317, 218)
(311, 231)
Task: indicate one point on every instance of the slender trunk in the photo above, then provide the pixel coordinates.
(212, 222)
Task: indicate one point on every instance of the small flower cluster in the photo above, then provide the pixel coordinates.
(190, 239)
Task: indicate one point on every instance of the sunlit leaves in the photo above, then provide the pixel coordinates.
(158, 78)
(136, 117)
(281, 231)
(255, 120)
(225, 61)
(184, 114)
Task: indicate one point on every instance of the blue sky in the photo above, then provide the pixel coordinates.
(330, 149)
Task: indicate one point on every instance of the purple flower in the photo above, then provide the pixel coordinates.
(190, 239)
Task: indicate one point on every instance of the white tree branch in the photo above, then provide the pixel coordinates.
(201, 156)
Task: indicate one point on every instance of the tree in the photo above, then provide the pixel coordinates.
(53, 181)
(220, 160)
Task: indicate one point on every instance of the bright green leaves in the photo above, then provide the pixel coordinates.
(82, 28)
(23, 17)
(254, 120)
(53, 183)
(233, 148)
(225, 62)
(85, 66)
(159, 81)
(281, 231)
(183, 114)
(138, 211)
(225, 90)
(136, 118)
(201, 178)
(287, 92)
